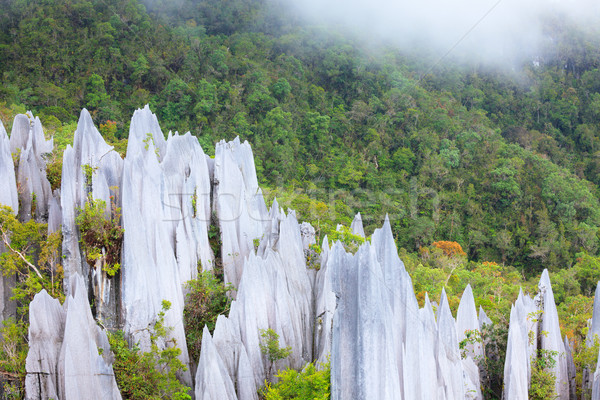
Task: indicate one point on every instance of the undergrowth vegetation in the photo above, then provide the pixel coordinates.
(150, 375)
(309, 384)
(205, 301)
(31, 261)
(101, 236)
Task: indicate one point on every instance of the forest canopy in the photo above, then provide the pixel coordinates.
(503, 162)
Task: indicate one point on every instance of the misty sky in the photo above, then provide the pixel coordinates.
(492, 30)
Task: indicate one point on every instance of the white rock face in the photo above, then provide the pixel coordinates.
(91, 170)
(520, 350)
(483, 319)
(212, 377)
(63, 361)
(552, 340)
(596, 381)
(594, 324)
(325, 305)
(8, 197)
(363, 365)
(8, 194)
(383, 345)
(274, 292)
(571, 371)
(591, 379)
(358, 309)
(166, 214)
(28, 142)
(239, 205)
(466, 320)
(357, 226)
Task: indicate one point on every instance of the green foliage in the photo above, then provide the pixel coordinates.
(350, 241)
(54, 172)
(32, 257)
(308, 384)
(463, 154)
(205, 301)
(471, 337)
(494, 338)
(88, 173)
(586, 359)
(542, 383)
(13, 352)
(194, 203)
(149, 375)
(269, 347)
(101, 237)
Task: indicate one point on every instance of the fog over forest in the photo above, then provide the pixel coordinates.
(496, 31)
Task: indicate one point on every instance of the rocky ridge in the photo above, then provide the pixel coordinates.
(359, 310)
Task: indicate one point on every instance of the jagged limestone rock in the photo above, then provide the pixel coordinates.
(166, 216)
(325, 305)
(357, 226)
(466, 320)
(274, 292)
(239, 205)
(571, 371)
(529, 319)
(364, 361)
(594, 326)
(233, 353)
(595, 380)
(55, 213)
(592, 335)
(383, 345)
(308, 235)
(186, 203)
(64, 361)
(483, 319)
(46, 332)
(519, 350)
(28, 144)
(213, 381)
(451, 374)
(8, 197)
(8, 194)
(91, 170)
(552, 339)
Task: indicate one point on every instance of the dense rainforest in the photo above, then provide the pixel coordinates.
(503, 162)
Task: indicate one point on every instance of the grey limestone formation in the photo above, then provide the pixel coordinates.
(571, 371)
(357, 226)
(64, 361)
(519, 350)
(274, 292)
(29, 146)
(382, 345)
(483, 319)
(8, 194)
(594, 324)
(552, 339)
(591, 379)
(467, 320)
(239, 204)
(528, 319)
(166, 213)
(358, 310)
(325, 305)
(9, 198)
(91, 170)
